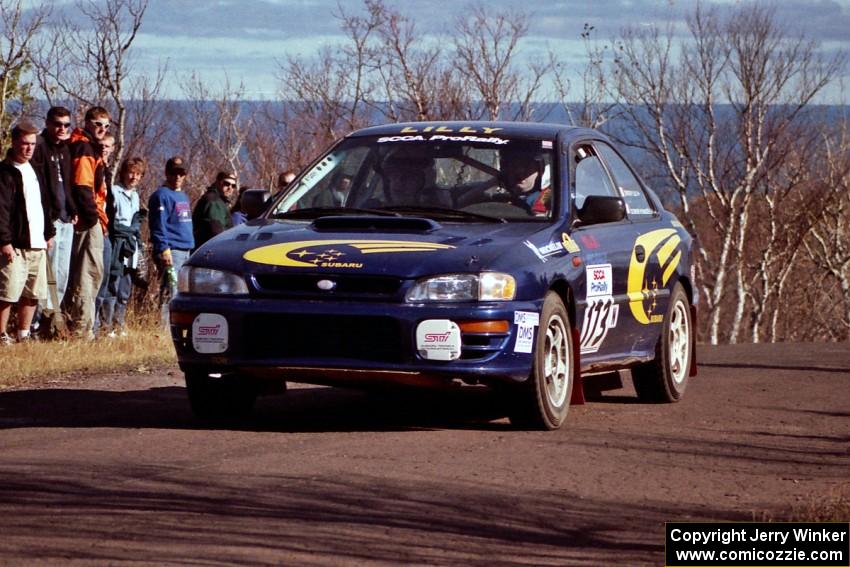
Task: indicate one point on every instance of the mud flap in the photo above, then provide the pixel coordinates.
(577, 398)
(693, 369)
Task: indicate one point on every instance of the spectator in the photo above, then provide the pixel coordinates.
(125, 238)
(170, 218)
(212, 213)
(90, 195)
(107, 147)
(25, 233)
(284, 179)
(52, 159)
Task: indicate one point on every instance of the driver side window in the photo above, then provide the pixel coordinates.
(591, 177)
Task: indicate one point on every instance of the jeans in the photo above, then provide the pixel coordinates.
(166, 290)
(102, 293)
(60, 258)
(113, 302)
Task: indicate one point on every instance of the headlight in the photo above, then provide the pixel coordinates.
(488, 286)
(207, 281)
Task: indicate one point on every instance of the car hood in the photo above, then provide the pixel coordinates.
(405, 247)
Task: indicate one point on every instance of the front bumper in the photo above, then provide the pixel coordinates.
(348, 342)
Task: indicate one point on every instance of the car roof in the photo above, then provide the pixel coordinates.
(531, 130)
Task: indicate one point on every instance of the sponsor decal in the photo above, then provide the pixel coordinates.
(438, 339)
(444, 138)
(600, 315)
(448, 130)
(600, 280)
(340, 254)
(569, 244)
(525, 322)
(544, 252)
(589, 241)
(646, 277)
(209, 333)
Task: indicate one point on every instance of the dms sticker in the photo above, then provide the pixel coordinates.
(209, 333)
(600, 315)
(525, 322)
(647, 276)
(599, 280)
(438, 339)
(345, 254)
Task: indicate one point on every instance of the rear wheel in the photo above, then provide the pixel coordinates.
(220, 398)
(666, 377)
(544, 399)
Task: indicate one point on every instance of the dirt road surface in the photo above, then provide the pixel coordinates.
(113, 470)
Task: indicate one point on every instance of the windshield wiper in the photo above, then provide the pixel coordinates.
(316, 212)
(443, 213)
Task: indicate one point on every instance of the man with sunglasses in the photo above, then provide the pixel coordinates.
(89, 194)
(212, 211)
(52, 159)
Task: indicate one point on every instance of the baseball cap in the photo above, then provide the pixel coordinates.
(175, 164)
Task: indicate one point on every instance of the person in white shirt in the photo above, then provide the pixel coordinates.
(26, 233)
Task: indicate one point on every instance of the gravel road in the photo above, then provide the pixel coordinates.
(113, 470)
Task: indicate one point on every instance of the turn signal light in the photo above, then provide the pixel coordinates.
(185, 318)
(484, 326)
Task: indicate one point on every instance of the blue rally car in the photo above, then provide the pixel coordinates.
(525, 257)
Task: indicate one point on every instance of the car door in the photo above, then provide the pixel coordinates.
(654, 256)
(605, 249)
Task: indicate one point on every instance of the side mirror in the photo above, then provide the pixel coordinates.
(253, 202)
(598, 209)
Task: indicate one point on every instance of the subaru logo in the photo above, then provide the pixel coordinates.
(326, 285)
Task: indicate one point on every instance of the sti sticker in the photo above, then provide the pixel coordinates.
(599, 280)
(438, 339)
(209, 333)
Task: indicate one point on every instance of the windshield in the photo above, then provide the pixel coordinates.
(436, 176)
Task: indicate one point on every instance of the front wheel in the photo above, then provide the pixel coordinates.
(544, 398)
(220, 398)
(666, 377)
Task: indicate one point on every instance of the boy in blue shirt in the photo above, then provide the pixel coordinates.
(170, 218)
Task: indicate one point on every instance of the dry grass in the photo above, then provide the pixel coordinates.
(834, 507)
(147, 345)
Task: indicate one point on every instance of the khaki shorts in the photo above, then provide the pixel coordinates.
(25, 277)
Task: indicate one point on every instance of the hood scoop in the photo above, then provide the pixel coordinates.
(374, 224)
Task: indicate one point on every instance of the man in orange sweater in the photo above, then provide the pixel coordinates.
(89, 194)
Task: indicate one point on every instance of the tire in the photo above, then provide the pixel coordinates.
(544, 399)
(223, 399)
(666, 377)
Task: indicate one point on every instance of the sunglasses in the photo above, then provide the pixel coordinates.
(228, 184)
(101, 124)
(58, 124)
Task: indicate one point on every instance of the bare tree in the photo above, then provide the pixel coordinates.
(486, 45)
(723, 154)
(18, 28)
(90, 62)
(213, 129)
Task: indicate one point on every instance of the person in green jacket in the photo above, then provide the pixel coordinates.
(212, 211)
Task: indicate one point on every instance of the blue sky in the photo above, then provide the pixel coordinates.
(242, 40)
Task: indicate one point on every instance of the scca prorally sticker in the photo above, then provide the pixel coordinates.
(600, 315)
(209, 333)
(444, 138)
(438, 339)
(599, 280)
(525, 322)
